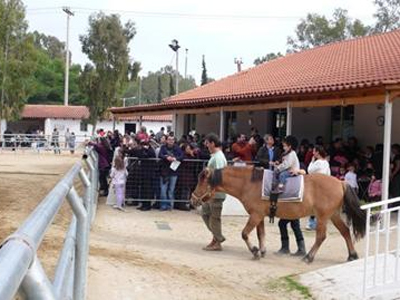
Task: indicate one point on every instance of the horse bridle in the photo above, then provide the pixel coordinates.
(201, 198)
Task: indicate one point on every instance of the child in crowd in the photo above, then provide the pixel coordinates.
(290, 162)
(118, 180)
(341, 174)
(351, 177)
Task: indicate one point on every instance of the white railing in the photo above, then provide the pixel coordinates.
(41, 143)
(20, 267)
(382, 248)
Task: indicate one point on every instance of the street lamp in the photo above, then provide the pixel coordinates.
(175, 47)
(66, 82)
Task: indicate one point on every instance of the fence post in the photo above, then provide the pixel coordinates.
(36, 285)
(64, 272)
(94, 183)
(85, 180)
(82, 244)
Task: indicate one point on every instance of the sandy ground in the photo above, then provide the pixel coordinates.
(25, 179)
(132, 258)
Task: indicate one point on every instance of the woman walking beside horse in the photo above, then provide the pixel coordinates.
(324, 196)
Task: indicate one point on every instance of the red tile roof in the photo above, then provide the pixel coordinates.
(76, 112)
(55, 112)
(357, 64)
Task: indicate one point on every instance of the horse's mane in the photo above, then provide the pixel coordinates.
(215, 178)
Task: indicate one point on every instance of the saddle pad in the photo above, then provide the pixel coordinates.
(293, 191)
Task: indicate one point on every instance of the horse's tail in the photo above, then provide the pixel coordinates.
(355, 215)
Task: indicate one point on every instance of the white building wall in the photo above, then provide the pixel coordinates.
(366, 127)
(3, 125)
(74, 125)
(308, 123)
(48, 127)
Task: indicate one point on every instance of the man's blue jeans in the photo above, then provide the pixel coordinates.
(167, 190)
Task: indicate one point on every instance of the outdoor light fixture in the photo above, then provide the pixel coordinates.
(174, 45)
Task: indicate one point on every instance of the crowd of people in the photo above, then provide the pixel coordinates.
(153, 170)
(162, 168)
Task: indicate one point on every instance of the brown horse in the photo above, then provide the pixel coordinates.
(324, 196)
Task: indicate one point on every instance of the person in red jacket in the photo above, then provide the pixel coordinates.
(243, 150)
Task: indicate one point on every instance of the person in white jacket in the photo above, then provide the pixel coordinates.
(290, 162)
(319, 164)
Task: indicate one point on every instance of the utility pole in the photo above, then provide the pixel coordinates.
(186, 61)
(140, 90)
(66, 85)
(175, 47)
(4, 79)
(238, 62)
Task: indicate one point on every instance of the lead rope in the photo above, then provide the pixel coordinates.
(273, 206)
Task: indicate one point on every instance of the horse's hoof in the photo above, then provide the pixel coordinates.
(308, 259)
(255, 252)
(352, 256)
(263, 253)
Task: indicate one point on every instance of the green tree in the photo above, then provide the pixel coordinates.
(106, 45)
(154, 83)
(50, 44)
(171, 85)
(268, 57)
(48, 80)
(159, 89)
(204, 78)
(316, 30)
(17, 59)
(387, 15)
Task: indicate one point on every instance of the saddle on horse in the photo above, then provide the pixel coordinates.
(292, 192)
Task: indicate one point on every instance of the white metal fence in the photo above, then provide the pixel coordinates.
(42, 143)
(20, 268)
(382, 248)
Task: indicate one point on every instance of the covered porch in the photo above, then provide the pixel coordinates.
(344, 89)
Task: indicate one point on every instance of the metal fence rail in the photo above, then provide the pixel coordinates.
(20, 267)
(40, 142)
(381, 259)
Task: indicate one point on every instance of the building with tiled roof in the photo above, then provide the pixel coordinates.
(54, 112)
(75, 118)
(319, 85)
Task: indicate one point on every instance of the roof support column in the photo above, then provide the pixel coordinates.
(288, 119)
(140, 121)
(221, 124)
(174, 122)
(387, 147)
(113, 119)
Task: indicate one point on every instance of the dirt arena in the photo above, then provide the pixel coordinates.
(157, 255)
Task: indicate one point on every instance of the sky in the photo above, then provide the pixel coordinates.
(222, 30)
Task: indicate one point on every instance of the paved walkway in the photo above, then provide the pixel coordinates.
(345, 281)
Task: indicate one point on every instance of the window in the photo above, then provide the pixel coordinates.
(190, 123)
(279, 122)
(230, 124)
(84, 126)
(342, 121)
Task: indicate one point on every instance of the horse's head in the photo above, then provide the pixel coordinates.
(203, 192)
